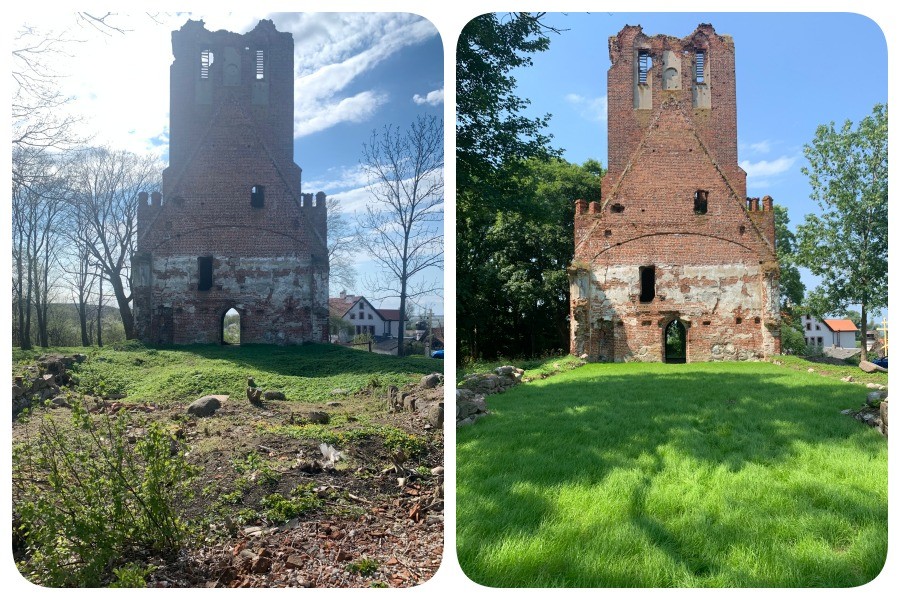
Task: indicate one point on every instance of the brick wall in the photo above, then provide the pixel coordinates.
(674, 198)
(232, 192)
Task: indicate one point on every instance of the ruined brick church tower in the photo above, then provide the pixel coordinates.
(231, 229)
(675, 263)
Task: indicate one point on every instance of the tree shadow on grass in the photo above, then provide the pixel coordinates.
(579, 428)
(308, 360)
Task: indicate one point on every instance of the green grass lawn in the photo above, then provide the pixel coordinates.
(654, 475)
(306, 373)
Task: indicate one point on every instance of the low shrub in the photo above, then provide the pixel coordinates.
(89, 501)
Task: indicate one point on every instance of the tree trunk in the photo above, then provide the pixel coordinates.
(863, 354)
(100, 316)
(124, 304)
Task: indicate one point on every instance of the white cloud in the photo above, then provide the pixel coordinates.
(767, 168)
(432, 98)
(354, 109)
(592, 109)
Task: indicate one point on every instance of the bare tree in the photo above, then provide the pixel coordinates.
(341, 237)
(36, 240)
(105, 186)
(400, 230)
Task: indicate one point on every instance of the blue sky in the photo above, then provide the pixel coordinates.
(355, 73)
(794, 72)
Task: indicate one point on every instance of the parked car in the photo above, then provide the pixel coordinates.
(438, 353)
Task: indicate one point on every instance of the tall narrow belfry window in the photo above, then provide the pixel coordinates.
(648, 283)
(204, 273)
(644, 65)
(206, 61)
(260, 64)
(257, 196)
(700, 67)
(700, 202)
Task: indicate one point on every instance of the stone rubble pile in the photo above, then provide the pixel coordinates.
(470, 405)
(43, 381)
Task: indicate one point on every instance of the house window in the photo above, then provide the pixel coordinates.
(352, 317)
(204, 273)
(370, 316)
(700, 67)
(645, 63)
(206, 61)
(260, 64)
(257, 196)
(361, 315)
(817, 327)
(820, 341)
(700, 202)
(808, 326)
(648, 283)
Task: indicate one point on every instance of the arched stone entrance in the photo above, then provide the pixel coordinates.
(675, 342)
(231, 327)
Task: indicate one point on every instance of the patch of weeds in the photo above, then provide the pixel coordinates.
(131, 576)
(363, 566)
(253, 464)
(321, 433)
(232, 497)
(279, 509)
(87, 498)
(378, 584)
(245, 516)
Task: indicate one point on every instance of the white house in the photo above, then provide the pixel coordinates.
(365, 318)
(826, 333)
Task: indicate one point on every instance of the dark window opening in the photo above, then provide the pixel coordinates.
(808, 326)
(706, 322)
(648, 284)
(617, 208)
(756, 320)
(819, 341)
(204, 273)
(645, 323)
(700, 67)
(231, 327)
(739, 320)
(260, 64)
(700, 202)
(206, 61)
(742, 229)
(607, 233)
(257, 196)
(645, 63)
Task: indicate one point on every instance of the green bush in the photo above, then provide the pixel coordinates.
(792, 341)
(89, 501)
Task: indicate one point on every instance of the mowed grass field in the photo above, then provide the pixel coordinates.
(655, 475)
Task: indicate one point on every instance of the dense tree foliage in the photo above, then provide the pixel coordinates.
(511, 284)
(846, 244)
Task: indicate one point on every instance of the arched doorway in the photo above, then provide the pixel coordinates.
(675, 342)
(231, 327)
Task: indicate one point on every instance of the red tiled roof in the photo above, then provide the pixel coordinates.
(390, 314)
(840, 324)
(340, 306)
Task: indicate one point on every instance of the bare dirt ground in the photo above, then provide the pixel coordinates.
(379, 518)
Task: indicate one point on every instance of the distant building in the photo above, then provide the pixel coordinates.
(826, 333)
(380, 323)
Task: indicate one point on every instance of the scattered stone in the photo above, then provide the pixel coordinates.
(343, 555)
(334, 404)
(316, 417)
(810, 370)
(883, 410)
(847, 411)
(874, 399)
(870, 367)
(437, 471)
(273, 395)
(261, 564)
(339, 392)
(431, 381)
(294, 561)
(60, 402)
(875, 386)
(848, 378)
(435, 415)
(204, 407)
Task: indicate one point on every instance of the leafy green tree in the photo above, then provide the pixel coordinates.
(493, 139)
(792, 288)
(846, 245)
(524, 293)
